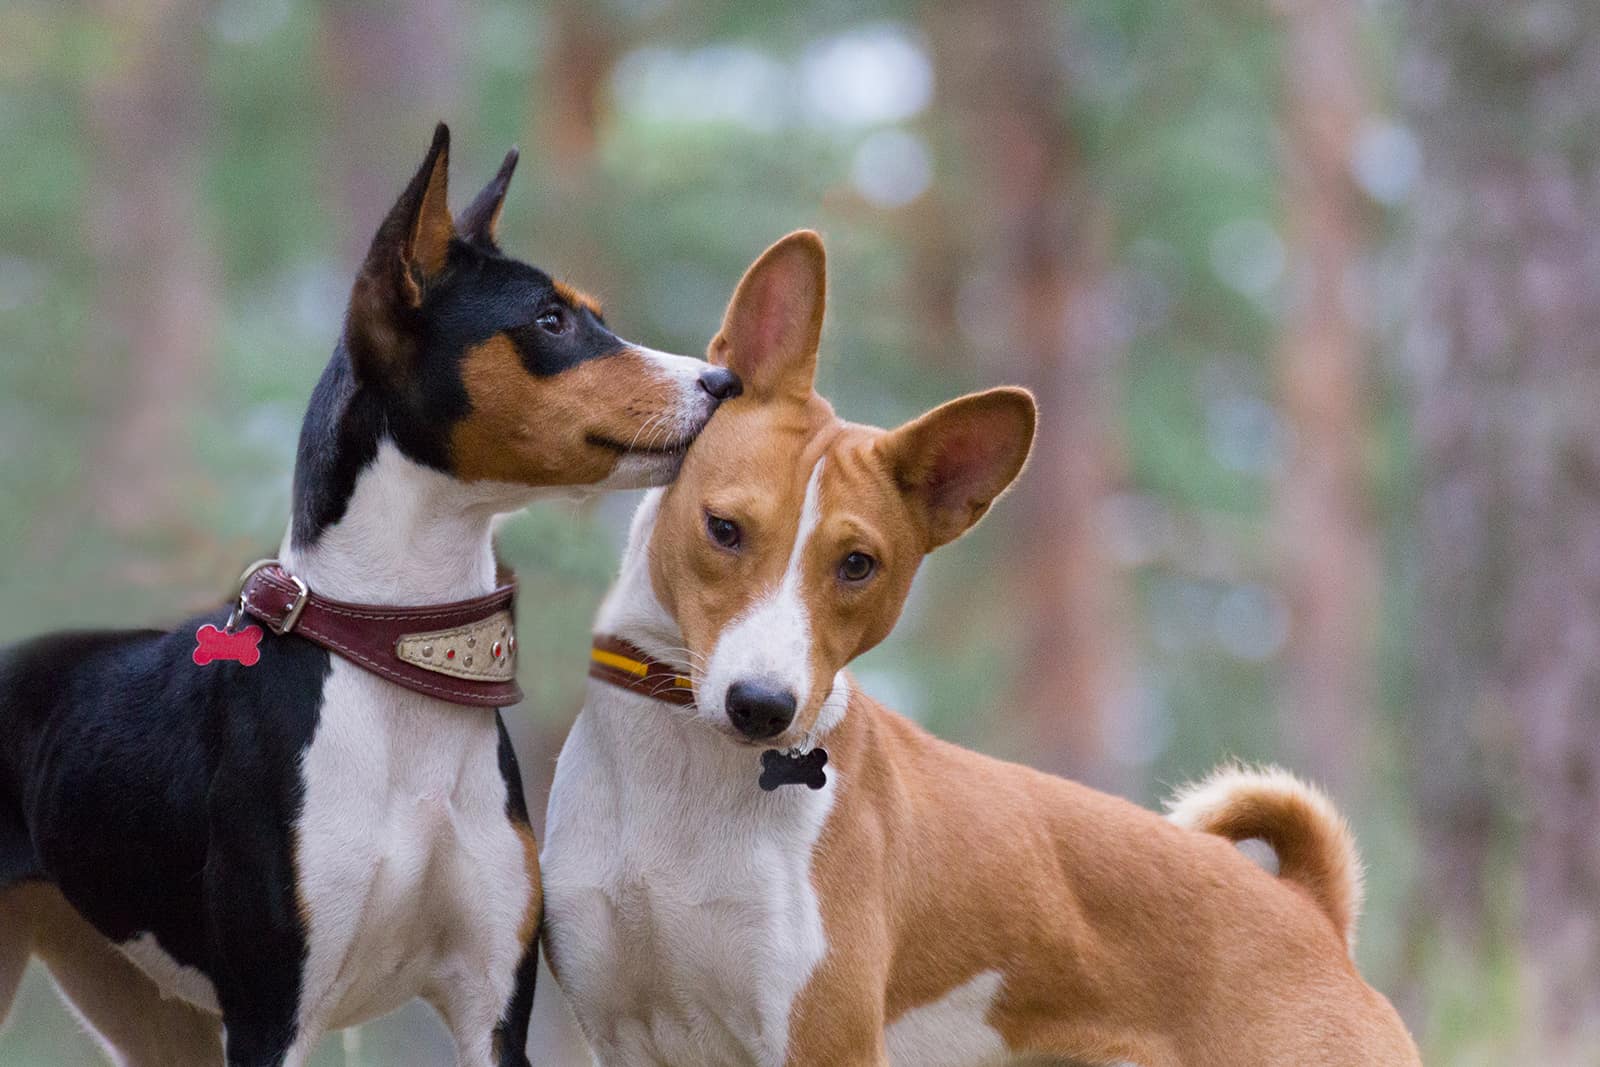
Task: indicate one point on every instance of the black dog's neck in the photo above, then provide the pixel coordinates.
(338, 439)
(373, 523)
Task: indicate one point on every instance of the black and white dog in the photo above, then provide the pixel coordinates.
(328, 820)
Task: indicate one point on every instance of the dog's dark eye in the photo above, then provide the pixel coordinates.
(857, 567)
(553, 320)
(724, 532)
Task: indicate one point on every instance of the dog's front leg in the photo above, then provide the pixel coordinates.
(257, 933)
(488, 1030)
(511, 1033)
(839, 1020)
(855, 1049)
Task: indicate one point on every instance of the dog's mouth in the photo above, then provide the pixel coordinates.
(650, 445)
(674, 448)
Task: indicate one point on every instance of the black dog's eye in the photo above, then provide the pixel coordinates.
(553, 320)
(724, 532)
(857, 567)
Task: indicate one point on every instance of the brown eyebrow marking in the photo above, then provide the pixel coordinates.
(577, 297)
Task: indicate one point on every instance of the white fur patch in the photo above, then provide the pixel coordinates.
(679, 906)
(694, 406)
(409, 535)
(771, 641)
(953, 1031)
(412, 877)
(170, 976)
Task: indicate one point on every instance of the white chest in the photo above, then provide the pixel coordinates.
(411, 874)
(679, 907)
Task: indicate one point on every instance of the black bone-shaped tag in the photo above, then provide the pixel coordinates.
(785, 768)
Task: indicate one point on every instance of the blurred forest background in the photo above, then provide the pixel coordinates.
(1304, 287)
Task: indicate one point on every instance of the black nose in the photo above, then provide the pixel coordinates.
(758, 710)
(721, 383)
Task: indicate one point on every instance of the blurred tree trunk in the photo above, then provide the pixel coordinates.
(154, 321)
(1324, 540)
(1045, 232)
(1506, 348)
(392, 71)
(584, 44)
(576, 233)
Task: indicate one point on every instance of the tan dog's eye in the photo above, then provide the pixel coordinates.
(724, 532)
(857, 567)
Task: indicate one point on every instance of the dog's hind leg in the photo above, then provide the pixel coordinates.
(118, 1002)
(16, 945)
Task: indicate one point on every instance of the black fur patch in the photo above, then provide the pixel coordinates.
(337, 441)
(511, 1031)
(161, 796)
(17, 860)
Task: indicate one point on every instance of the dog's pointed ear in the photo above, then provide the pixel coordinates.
(953, 462)
(482, 218)
(409, 251)
(773, 325)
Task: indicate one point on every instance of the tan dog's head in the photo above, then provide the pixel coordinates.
(789, 541)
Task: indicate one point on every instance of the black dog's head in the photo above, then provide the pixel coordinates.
(489, 370)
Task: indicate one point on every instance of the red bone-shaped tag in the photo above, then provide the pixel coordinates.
(214, 644)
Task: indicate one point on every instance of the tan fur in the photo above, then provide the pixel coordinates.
(891, 495)
(530, 856)
(577, 297)
(16, 946)
(112, 996)
(773, 323)
(428, 245)
(1118, 935)
(538, 431)
(1313, 843)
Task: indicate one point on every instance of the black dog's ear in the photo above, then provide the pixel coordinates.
(409, 251)
(482, 218)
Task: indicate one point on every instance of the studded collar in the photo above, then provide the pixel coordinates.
(463, 652)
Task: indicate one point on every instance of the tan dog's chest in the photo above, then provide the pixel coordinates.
(682, 923)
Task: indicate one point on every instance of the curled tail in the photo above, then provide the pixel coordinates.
(1313, 843)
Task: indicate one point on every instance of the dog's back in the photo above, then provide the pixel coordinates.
(41, 724)
(37, 678)
(1117, 923)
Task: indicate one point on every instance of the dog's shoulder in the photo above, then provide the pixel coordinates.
(128, 764)
(131, 689)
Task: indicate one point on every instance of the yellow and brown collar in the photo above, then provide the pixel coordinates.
(624, 664)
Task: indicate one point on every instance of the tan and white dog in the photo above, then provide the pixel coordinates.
(719, 892)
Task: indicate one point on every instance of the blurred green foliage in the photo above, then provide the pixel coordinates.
(1173, 109)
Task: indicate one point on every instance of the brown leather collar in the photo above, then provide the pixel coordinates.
(621, 663)
(465, 652)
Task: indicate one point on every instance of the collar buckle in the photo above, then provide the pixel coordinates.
(291, 616)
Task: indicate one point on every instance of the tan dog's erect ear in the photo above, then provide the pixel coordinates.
(482, 218)
(409, 250)
(954, 461)
(773, 325)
